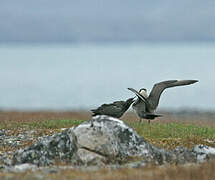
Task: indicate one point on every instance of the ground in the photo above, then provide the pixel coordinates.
(174, 129)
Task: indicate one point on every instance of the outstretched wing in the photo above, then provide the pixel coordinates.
(158, 88)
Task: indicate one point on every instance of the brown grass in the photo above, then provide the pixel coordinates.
(170, 172)
(21, 117)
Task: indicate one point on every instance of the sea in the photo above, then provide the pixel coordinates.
(84, 76)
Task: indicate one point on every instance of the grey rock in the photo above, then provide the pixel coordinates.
(5, 160)
(183, 155)
(19, 168)
(2, 132)
(60, 146)
(116, 142)
(112, 139)
(23, 167)
(203, 152)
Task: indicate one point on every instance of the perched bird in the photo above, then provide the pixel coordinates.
(145, 105)
(115, 109)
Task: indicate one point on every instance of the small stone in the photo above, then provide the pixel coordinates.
(2, 132)
(23, 167)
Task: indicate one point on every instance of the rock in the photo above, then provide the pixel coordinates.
(183, 155)
(111, 139)
(2, 132)
(61, 146)
(5, 160)
(203, 152)
(23, 167)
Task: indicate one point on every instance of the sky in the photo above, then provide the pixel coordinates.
(106, 21)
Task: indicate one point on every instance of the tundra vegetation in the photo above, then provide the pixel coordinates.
(167, 132)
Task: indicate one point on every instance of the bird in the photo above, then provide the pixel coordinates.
(145, 105)
(115, 109)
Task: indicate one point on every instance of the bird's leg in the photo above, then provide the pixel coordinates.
(149, 126)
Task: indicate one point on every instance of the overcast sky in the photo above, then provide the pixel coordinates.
(107, 20)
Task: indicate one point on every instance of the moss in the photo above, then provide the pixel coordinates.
(171, 135)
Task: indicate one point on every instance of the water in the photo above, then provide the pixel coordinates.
(68, 77)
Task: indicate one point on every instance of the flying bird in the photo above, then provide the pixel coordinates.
(145, 105)
(115, 109)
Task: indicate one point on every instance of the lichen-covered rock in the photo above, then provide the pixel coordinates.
(112, 139)
(60, 146)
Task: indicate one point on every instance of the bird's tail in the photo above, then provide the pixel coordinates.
(158, 115)
(153, 116)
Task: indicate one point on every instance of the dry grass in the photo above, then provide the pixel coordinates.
(11, 117)
(8, 119)
(187, 172)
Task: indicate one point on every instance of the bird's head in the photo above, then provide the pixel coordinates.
(143, 92)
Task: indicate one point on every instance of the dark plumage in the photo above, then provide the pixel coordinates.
(115, 109)
(145, 105)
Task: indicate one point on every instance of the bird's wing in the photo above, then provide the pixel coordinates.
(107, 109)
(183, 83)
(118, 103)
(112, 107)
(100, 107)
(138, 95)
(158, 88)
